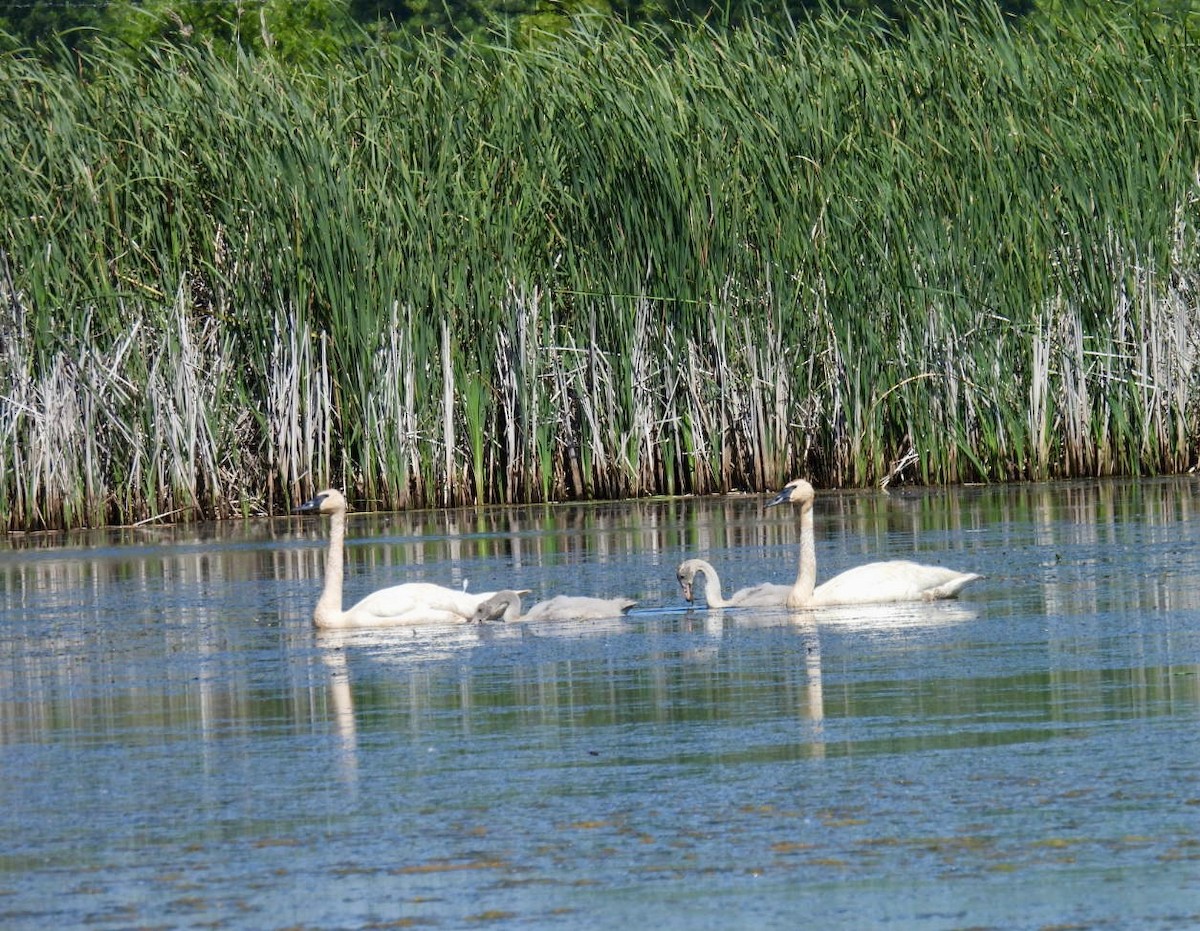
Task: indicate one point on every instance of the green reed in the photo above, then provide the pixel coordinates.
(608, 265)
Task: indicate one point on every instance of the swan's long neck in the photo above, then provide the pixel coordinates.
(806, 574)
(328, 612)
(513, 611)
(712, 586)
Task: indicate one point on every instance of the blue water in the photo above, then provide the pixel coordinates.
(180, 749)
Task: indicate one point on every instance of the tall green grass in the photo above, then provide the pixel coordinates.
(610, 265)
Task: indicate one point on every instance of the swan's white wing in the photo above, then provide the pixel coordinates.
(884, 582)
(414, 603)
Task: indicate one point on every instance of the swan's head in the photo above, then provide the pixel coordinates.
(797, 491)
(329, 501)
(504, 605)
(686, 574)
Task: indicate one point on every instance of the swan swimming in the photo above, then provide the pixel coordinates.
(764, 595)
(873, 583)
(506, 605)
(413, 603)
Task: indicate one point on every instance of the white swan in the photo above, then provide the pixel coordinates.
(506, 605)
(765, 595)
(874, 583)
(413, 603)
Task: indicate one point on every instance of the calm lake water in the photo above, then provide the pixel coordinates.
(180, 748)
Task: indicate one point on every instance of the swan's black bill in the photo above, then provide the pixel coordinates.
(782, 498)
(309, 507)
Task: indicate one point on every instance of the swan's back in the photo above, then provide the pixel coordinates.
(413, 603)
(506, 605)
(578, 607)
(763, 595)
(897, 580)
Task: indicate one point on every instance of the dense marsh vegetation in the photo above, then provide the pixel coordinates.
(604, 266)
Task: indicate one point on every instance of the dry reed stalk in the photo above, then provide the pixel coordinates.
(506, 377)
(1041, 428)
(590, 372)
(604, 375)
(299, 409)
(699, 424)
(639, 445)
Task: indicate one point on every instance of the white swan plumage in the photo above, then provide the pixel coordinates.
(764, 595)
(413, 603)
(506, 605)
(873, 583)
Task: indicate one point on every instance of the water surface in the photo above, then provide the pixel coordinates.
(182, 750)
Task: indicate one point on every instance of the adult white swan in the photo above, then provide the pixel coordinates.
(765, 595)
(413, 603)
(506, 605)
(874, 583)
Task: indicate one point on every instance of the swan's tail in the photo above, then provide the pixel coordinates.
(952, 587)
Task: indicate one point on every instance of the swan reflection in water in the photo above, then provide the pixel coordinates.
(424, 646)
(814, 710)
(865, 618)
(412, 654)
(884, 618)
(345, 724)
(878, 621)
